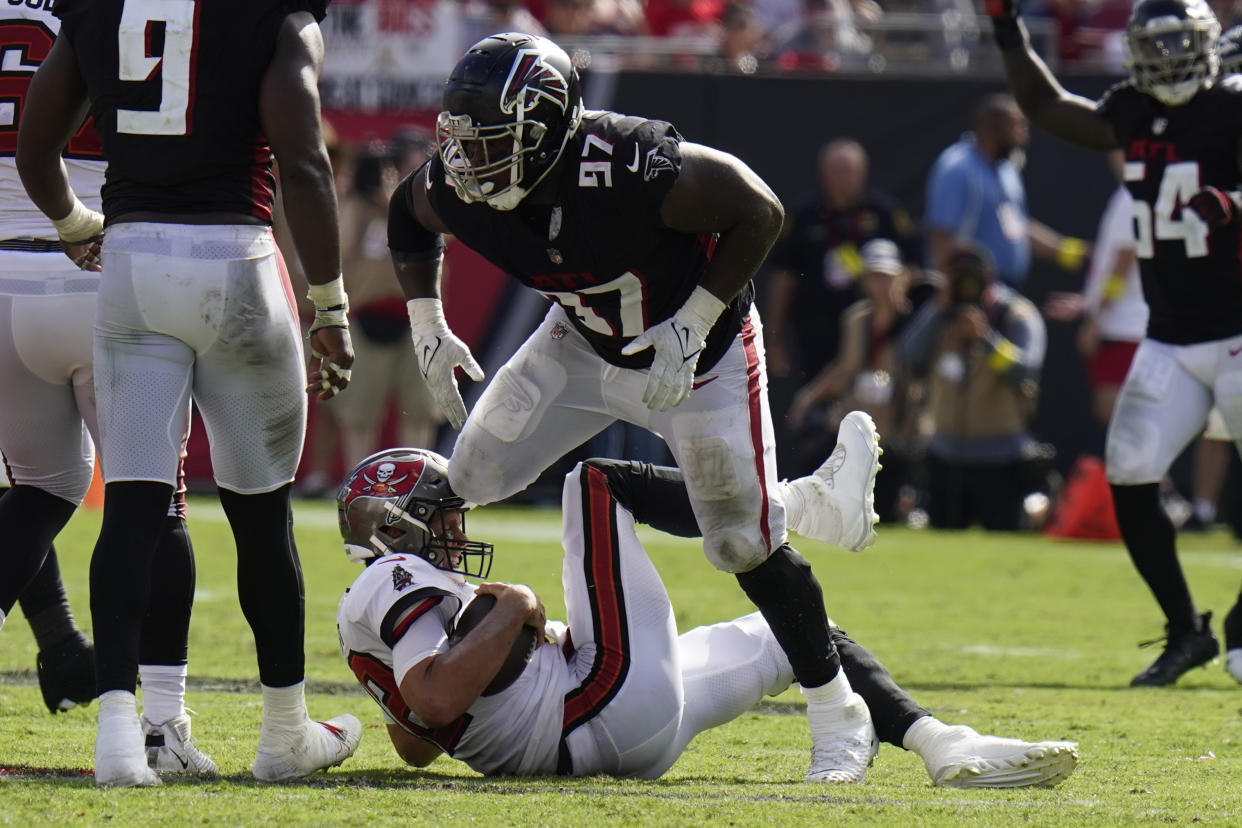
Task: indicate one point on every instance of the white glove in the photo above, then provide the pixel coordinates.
(439, 352)
(678, 342)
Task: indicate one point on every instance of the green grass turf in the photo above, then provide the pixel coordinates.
(1014, 635)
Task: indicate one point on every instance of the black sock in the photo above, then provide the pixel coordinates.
(134, 512)
(892, 709)
(269, 581)
(1152, 542)
(46, 606)
(788, 596)
(166, 628)
(30, 519)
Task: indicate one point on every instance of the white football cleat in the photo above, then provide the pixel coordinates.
(120, 758)
(1233, 662)
(836, 504)
(959, 757)
(171, 750)
(843, 740)
(290, 753)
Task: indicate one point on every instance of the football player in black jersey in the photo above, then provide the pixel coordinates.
(646, 245)
(191, 101)
(1180, 125)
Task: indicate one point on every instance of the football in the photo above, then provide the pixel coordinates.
(519, 654)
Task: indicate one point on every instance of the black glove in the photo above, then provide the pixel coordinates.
(1004, 13)
(1213, 206)
(1001, 9)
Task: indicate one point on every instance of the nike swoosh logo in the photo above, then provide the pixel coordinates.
(633, 167)
(1235, 351)
(428, 355)
(683, 338)
(185, 764)
(702, 382)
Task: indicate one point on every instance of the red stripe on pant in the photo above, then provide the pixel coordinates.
(602, 565)
(754, 400)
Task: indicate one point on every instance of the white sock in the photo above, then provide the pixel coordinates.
(920, 735)
(833, 693)
(163, 691)
(1205, 510)
(284, 707)
(117, 704)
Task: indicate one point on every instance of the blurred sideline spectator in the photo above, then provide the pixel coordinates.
(975, 195)
(981, 346)
(684, 17)
(867, 375)
(480, 18)
(1113, 312)
(827, 36)
(386, 366)
(813, 277)
(593, 17)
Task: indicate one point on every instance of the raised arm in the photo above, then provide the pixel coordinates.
(1067, 116)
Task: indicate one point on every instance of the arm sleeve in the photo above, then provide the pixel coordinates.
(408, 240)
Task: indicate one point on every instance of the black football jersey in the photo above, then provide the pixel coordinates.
(1192, 274)
(174, 90)
(601, 251)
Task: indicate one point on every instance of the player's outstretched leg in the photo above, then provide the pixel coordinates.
(291, 745)
(836, 504)
(1233, 640)
(957, 757)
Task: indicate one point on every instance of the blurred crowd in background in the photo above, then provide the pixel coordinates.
(919, 313)
(814, 35)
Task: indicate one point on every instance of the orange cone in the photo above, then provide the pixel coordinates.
(95, 494)
(1085, 508)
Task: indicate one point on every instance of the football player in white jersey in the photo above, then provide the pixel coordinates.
(615, 691)
(49, 283)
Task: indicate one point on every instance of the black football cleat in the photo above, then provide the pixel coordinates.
(67, 674)
(1182, 651)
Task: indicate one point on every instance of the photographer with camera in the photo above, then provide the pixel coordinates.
(980, 346)
(379, 316)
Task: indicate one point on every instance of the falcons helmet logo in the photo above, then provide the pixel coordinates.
(531, 79)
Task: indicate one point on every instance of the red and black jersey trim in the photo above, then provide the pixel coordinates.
(377, 679)
(407, 609)
(602, 572)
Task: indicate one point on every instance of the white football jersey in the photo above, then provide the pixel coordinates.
(25, 40)
(400, 611)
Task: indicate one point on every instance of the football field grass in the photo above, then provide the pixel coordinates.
(1013, 635)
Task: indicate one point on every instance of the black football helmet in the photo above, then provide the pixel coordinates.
(1171, 48)
(1229, 51)
(510, 107)
(386, 504)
